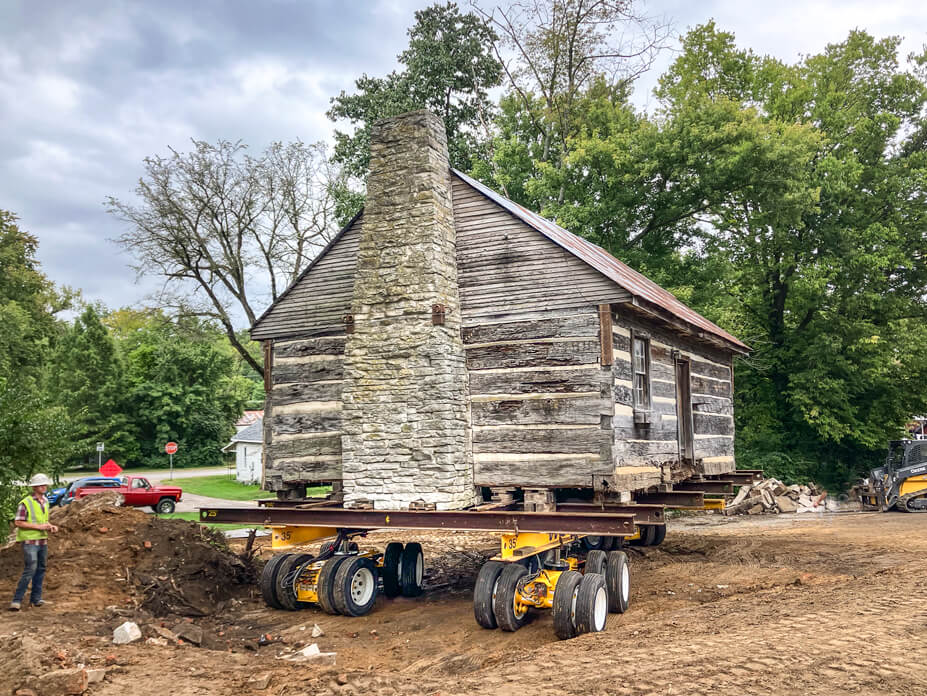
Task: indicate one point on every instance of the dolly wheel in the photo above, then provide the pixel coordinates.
(392, 565)
(593, 542)
(659, 534)
(484, 592)
(591, 604)
(618, 582)
(325, 585)
(509, 616)
(595, 562)
(286, 592)
(355, 587)
(564, 610)
(412, 570)
(269, 580)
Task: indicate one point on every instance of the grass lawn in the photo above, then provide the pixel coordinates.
(222, 486)
(195, 517)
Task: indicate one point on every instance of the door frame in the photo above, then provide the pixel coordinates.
(685, 426)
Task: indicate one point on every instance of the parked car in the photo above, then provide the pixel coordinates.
(98, 483)
(137, 492)
(54, 495)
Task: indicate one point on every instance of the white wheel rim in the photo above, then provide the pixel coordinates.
(573, 605)
(519, 609)
(399, 568)
(419, 570)
(600, 610)
(362, 586)
(625, 583)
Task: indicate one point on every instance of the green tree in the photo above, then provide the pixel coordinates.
(34, 432)
(185, 385)
(88, 376)
(448, 67)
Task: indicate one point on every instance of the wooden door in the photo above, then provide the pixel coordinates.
(684, 428)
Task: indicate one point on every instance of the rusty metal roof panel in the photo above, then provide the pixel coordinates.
(637, 284)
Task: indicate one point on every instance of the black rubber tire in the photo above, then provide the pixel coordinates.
(268, 581)
(618, 582)
(564, 619)
(392, 562)
(617, 543)
(609, 543)
(503, 605)
(412, 571)
(593, 542)
(591, 604)
(649, 534)
(595, 562)
(659, 534)
(347, 602)
(484, 593)
(286, 597)
(325, 587)
(646, 533)
(165, 506)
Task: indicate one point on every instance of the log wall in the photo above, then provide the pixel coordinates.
(302, 412)
(538, 397)
(657, 443)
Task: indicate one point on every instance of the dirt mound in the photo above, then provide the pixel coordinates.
(165, 566)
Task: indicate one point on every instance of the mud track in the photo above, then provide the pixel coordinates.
(770, 605)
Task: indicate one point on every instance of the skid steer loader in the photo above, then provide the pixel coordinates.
(902, 481)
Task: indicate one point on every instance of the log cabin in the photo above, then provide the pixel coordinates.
(449, 345)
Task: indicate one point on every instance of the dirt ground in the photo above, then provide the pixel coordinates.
(810, 604)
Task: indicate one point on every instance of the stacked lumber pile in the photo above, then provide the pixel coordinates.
(773, 496)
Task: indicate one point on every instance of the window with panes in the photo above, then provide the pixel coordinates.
(641, 377)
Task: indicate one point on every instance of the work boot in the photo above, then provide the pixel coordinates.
(15, 606)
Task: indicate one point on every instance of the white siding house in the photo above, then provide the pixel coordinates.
(248, 448)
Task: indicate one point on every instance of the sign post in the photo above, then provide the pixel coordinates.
(99, 455)
(171, 449)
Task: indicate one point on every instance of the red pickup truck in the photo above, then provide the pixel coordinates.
(137, 492)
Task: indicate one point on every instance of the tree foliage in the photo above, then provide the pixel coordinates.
(448, 68)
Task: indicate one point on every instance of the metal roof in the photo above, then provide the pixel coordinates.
(253, 433)
(635, 283)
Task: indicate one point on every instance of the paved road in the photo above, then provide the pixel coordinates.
(158, 475)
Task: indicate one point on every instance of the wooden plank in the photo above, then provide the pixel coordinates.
(532, 355)
(323, 345)
(268, 347)
(541, 382)
(553, 441)
(607, 353)
(305, 470)
(578, 411)
(713, 424)
(305, 447)
(577, 325)
(709, 387)
(318, 422)
(648, 434)
(714, 447)
(575, 472)
(316, 371)
(296, 393)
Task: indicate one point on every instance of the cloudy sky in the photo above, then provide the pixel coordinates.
(88, 89)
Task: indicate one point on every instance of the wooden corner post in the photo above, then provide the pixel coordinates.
(606, 342)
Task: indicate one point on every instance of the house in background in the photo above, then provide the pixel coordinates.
(248, 418)
(248, 449)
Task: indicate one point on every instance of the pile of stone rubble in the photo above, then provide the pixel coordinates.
(773, 496)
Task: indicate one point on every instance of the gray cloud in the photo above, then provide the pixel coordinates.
(88, 89)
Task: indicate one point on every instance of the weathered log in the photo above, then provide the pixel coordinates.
(537, 382)
(712, 424)
(532, 440)
(706, 369)
(540, 472)
(321, 345)
(303, 470)
(701, 403)
(295, 393)
(576, 411)
(575, 325)
(314, 371)
(316, 422)
(533, 354)
(711, 387)
(305, 447)
(714, 447)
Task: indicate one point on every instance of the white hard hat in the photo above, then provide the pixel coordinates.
(40, 480)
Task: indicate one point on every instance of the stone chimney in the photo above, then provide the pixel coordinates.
(406, 413)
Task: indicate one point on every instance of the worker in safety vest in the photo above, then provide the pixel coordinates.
(32, 528)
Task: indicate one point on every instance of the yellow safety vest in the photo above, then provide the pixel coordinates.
(36, 513)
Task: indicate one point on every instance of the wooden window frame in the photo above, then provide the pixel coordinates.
(647, 405)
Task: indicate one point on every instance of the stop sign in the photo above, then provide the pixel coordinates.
(171, 448)
(110, 469)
